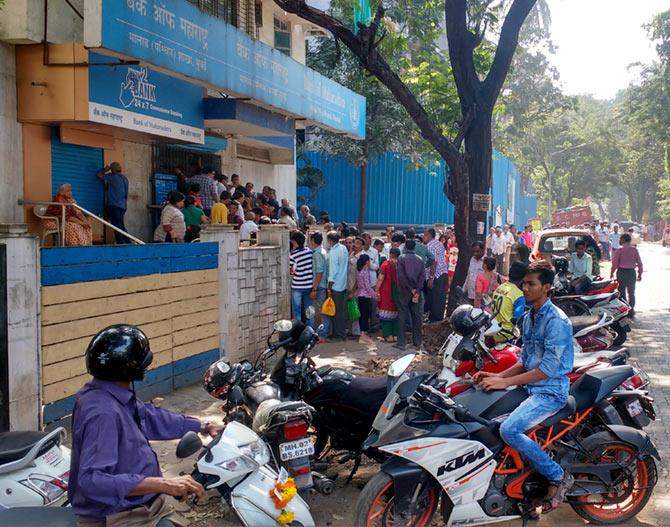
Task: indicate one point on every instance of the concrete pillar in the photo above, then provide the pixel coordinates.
(229, 245)
(278, 235)
(23, 326)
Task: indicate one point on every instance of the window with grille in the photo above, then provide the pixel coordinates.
(238, 13)
(282, 36)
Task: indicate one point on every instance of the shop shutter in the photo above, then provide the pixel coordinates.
(77, 165)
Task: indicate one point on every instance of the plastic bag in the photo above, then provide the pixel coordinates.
(328, 307)
(353, 311)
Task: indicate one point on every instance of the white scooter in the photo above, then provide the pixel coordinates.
(34, 469)
(235, 463)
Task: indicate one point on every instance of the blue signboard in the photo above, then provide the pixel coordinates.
(177, 36)
(138, 98)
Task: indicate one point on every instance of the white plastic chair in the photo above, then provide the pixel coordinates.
(40, 212)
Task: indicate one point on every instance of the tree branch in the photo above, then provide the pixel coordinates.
(465, 126)
(461, 46)
(509, 38)
(379, 67)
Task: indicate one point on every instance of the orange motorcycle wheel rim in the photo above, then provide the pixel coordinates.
(607, 510)
(382, 506)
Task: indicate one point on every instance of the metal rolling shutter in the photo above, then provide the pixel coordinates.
(77, 165)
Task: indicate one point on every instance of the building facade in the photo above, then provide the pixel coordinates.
(156, 86)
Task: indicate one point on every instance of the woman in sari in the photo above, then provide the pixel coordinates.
(387, 311)
(77, 227)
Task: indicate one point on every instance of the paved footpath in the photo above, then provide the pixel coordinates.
(649, 344)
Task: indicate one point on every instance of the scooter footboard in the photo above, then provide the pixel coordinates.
(252, 503)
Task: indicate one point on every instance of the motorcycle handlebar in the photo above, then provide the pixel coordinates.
(460, 412)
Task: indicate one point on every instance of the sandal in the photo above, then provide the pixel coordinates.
(562, 488)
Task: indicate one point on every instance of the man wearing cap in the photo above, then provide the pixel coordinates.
(116, 197)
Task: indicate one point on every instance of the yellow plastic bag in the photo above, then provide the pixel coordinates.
(328, 308)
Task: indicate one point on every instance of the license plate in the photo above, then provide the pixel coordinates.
(634, 408)
(296, 449)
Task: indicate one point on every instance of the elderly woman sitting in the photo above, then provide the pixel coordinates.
(77, 227)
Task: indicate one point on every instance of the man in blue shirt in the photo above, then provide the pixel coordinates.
(338, 265)
(116, 197)
(546, 359)
(114, 473)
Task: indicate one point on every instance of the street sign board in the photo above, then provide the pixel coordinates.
(481, 202)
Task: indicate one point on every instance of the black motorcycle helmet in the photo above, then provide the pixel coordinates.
(119, 353)
(217, 379)
(560, 263)
(465, 320)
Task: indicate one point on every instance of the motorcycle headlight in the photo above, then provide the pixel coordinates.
(254, 455)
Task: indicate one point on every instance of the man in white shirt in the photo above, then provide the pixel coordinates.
(475, 267)
(248, 227)
(509, 241)
(497, 246)
(614, 237)
(604, 239)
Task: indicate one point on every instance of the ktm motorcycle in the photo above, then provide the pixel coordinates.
(447, 452)
(463, 356)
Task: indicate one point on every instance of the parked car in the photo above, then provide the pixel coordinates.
(561, 242)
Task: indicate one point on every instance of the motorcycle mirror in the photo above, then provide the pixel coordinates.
(282, 326)
(310, 313)
(188, 445)
(236, 395)
(398, 367)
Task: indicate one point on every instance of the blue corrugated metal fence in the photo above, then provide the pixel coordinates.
(400, 193)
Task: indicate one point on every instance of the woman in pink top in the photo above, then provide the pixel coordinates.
(487, 281)
(365, 296)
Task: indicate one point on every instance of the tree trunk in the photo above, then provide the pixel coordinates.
(474, 179)
(363, 194)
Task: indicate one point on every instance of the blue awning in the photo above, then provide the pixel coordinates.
(241, 118)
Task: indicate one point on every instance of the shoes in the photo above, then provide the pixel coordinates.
(399, 347)
(562, 488)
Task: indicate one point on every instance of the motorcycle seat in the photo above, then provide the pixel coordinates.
(594, 386)
(581, 322)
(592, 300)
(15, 445)
(569, 409)
(584, 360)
(599, 284)
(366, 394)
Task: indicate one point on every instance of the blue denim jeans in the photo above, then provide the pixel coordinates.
(300, 301)
(529, 414)
(326, 322)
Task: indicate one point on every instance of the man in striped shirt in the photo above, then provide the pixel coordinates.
(436, 276)
(300, 264)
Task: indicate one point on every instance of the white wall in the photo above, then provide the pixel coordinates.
(280, 177)
(22, 21)
(11, 149)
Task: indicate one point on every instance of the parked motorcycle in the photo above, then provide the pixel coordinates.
(466, 351)
(236, 464)
(249, 398)
(448, 450)
(34, 469)
(562, 285)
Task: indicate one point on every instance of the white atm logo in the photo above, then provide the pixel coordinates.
(136, 90)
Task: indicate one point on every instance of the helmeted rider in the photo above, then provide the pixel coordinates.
(115, 478)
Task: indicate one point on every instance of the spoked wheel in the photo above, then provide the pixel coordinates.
(634, 484)
(376, 505)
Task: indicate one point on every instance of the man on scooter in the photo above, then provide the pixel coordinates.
(546, 358)
(115, 478)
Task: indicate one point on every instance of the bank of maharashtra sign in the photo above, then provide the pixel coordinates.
(177, 37)
(137, 98)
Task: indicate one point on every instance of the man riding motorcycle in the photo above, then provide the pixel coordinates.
(115, 478)
(546, 359)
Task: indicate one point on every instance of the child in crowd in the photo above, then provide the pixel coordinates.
(365, 295)
(194, 190)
